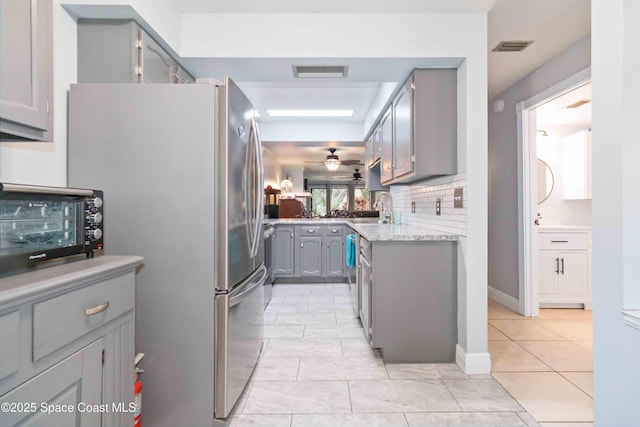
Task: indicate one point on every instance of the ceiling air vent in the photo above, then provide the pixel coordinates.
(320, 71)
(512, 46)
(579, 103)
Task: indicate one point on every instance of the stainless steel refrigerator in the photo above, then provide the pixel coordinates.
(182, 174)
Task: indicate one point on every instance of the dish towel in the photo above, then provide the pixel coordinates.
(351, 250)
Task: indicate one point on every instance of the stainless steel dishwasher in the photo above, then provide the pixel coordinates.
(365, 270)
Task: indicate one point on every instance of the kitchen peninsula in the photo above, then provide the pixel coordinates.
(405, 290)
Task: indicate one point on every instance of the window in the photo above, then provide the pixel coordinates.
(319, 201)
(339, 197)
(361, 199)
(327, 197)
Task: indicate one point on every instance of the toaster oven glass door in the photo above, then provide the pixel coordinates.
(30, 223)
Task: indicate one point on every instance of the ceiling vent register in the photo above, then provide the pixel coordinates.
(320, 71)
(512, 46)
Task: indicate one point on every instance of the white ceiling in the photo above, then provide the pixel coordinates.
(332, 6)
(556, 113)
(553, 25)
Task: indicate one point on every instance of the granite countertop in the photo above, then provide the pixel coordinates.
(61, 273)
(374, 232)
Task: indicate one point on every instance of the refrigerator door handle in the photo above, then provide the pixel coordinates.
(247, 287)
(259, 184)
(247, 193)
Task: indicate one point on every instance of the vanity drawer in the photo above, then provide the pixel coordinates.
(334, 230)
(309, 230)
(63, 319)
(577, 241)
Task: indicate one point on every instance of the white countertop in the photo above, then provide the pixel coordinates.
(374, 232)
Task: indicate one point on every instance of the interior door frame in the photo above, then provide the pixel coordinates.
(527, 187)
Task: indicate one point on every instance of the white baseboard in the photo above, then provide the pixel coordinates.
(507, 300)
(473, 363)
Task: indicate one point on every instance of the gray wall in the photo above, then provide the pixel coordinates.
(503, 167)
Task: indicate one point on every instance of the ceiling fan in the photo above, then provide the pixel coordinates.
(332, 162)
(357, 176)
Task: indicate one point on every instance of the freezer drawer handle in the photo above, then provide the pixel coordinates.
(235, 299)
(559, 241)
(97, 309)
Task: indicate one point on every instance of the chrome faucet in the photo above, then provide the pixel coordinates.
(387, 216)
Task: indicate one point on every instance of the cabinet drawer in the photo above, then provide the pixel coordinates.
(337, 230)
(63, 319)
(310, 230)
(554, 241)
(365, 248)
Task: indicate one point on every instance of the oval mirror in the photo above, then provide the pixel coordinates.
(545, 181)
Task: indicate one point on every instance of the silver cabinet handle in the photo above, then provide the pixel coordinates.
(562, 271)
(292, 235)
(302, 245)
(557, 265)
(559, 241)
(311, 230)
(97, 309)
(334, 230)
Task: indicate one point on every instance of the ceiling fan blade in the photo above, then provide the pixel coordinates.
(351, 163)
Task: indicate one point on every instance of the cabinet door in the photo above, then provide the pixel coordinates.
(310, 256)
(334, 257)
(574, 268)
(403, 131)
(26, 92)
(387, 172)
(157, 65)
(283, 260)
(376, 146)
(73, 381)
(548, 272)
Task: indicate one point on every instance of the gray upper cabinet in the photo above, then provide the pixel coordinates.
(26, 70)
(120, 51)
(376, 147)
(386, 144)
(421, 139)
(403, 120)
(310, 256)
(283, 252)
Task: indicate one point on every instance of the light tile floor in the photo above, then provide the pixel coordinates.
(545, 363)
(317, 370)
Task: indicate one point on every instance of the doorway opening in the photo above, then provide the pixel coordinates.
(554, 174)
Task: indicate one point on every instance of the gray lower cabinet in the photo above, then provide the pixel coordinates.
(26, 70)
(408, 301)
(309, 252)
(120, 51)
(334, 256)
(67, 342)
(73, 384)
(283, 252)
(310, 256)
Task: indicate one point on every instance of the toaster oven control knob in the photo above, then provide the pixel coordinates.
(95, 218)
(96, 202)
(95, 234)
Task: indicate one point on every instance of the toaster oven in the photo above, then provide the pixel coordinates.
(39, 223)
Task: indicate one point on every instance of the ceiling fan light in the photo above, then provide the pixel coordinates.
(332, 164)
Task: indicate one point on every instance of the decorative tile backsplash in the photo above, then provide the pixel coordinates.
(424, 194)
